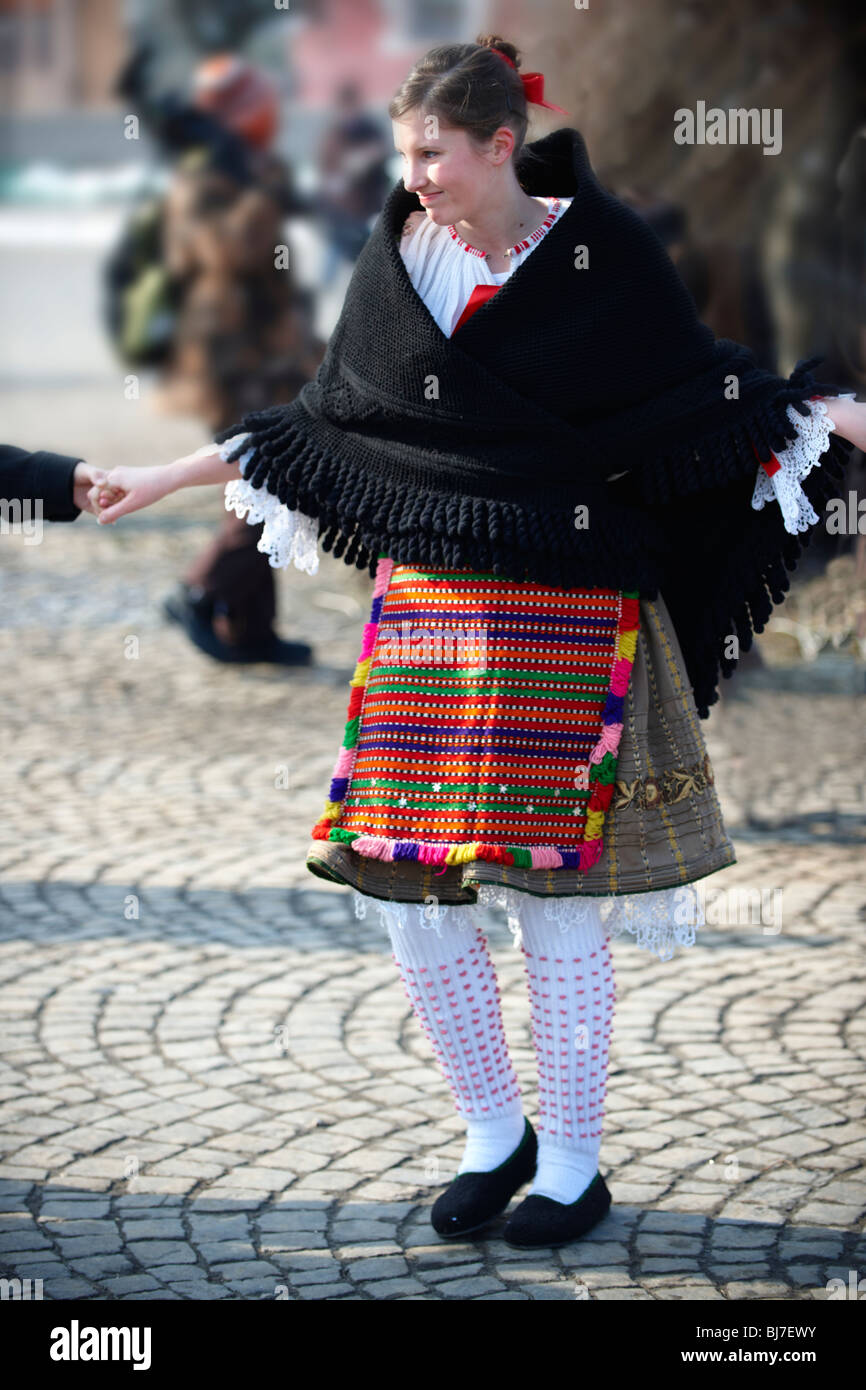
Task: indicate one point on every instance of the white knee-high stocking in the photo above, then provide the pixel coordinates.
(572, 994)
(450, 980)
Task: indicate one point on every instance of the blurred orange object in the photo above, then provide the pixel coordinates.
(241, 95)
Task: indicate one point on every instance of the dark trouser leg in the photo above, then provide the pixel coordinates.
(240, 580)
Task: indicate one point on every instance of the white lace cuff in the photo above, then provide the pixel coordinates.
(289, 537)
(812, 437)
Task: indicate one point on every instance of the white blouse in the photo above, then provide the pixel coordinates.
(444, 269)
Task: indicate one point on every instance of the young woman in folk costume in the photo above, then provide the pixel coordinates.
(574, 501)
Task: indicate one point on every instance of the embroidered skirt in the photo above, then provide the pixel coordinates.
(518, 735)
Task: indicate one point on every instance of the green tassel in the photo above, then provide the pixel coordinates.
(522, 857)
(350, 738)
(605, 771)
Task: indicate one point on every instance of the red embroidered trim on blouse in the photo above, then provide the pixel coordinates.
(520, 245)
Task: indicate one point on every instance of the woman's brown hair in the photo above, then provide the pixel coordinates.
(469, 86)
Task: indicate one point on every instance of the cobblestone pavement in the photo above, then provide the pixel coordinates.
(212, 1084)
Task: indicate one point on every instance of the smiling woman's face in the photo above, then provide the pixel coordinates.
(451, 176)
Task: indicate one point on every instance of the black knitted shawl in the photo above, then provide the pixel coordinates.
(477, 451)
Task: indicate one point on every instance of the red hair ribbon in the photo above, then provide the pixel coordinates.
(533, 85)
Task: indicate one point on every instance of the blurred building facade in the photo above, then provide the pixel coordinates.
(621, 71)
(58, 56)
(59, 59)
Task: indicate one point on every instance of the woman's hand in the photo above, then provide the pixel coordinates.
(126, 490)
(849, 419)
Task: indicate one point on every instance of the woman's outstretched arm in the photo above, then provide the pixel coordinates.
(141, 487)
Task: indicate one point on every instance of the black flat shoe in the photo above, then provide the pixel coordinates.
(542, 1221)
(473, 1199)
(193, 610)
(277, 651)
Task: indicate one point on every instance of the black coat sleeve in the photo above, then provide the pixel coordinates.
(27, 476)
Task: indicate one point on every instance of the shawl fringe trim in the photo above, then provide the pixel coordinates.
(719, 453)
(427, 521)
(361, 517)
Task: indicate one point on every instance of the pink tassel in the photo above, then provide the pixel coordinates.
(345, 762)
(608, 743)
(383, 577)
(590, 853)
(432, 854)
(368, 640)
(546, 859)
(373, 847)
(620, 676)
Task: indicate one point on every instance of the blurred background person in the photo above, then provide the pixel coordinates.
(354, 178)
(219, 309)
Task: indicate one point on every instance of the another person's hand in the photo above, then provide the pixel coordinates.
(85, 480)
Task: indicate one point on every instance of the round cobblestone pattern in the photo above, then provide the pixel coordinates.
(212, 1086)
